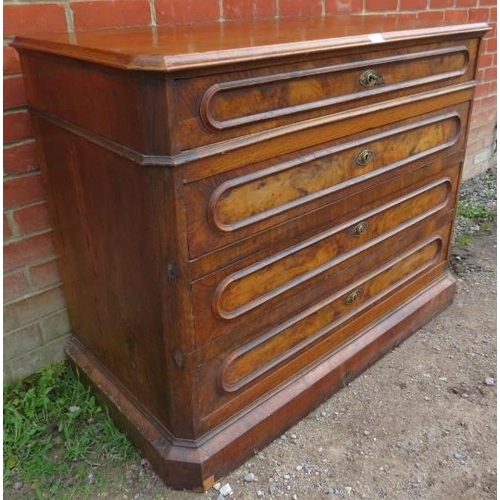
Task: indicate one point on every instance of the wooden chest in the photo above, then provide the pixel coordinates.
(247, 215)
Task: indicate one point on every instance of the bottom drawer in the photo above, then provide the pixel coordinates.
(233, 379)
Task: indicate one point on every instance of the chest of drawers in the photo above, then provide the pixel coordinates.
(247, 215)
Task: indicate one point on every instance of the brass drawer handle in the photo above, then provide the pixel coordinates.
(360, 228)
(364, 157)
(370, 78)
(353, 296)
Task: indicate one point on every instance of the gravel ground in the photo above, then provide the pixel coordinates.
(419, 424)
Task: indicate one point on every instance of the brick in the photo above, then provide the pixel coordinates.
(30, 19)
(23, 190)
(8, 377)
(23, 366)
(377, 5)
(432, 16)
(406, 16)
(110, 14)
(14, 286)
(486, 132)
(492, 32)
(293, 8)
(248, 9)
(7, 229)
(14, 94)
(351, 6)
(474, 135)
(20, 158)
(186, 11)
(27, 251)
(491, 45)
(482, 116)
(440, 4)
(474, 146)
(46, 274)
(482, 90)
(456, 15)
(26, 311)
(493, 14)
(21, 341)
(485, 60)
(487, 102)
(55, 326)
(488, 74)
(487, 2)
(11, 63)
(473, 170)
(479, 15)
(33, 218)
(412, 4)
(478, 131)
(16, 126)
(465, 3)
(482, 156)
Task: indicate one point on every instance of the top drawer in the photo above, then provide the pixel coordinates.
(214, 108)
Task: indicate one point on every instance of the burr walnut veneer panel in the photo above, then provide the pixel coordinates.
(247, 214)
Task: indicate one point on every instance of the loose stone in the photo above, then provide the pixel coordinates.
(226, 490)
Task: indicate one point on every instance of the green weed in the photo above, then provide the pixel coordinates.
(55, 435)
(476, 211)
(464, 239)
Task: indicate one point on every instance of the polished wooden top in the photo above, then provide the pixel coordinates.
(173, 48)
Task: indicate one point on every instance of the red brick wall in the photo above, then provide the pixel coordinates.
(35, 321)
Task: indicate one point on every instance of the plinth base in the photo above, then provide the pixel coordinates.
(198, 464)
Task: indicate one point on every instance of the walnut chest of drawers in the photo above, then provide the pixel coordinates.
(247, 215)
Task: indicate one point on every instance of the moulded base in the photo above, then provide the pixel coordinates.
(198, 464)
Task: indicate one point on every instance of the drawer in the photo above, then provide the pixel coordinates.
(242, 293)
(239, 374)
(228, 207)
(218, 107)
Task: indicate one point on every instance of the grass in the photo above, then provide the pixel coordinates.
(484, 210)
(476, 211)
(56, 436)
(464, 239)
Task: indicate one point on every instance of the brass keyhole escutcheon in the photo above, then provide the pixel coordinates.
(370, 78)
(360, 228)
(353, 296)
(364, 157)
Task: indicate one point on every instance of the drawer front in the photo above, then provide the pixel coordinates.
(215, 108)
(237, 375)
(246, 291)
(228, 207)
